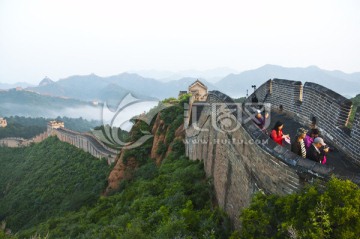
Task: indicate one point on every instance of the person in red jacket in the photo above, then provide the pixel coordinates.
(277, 133)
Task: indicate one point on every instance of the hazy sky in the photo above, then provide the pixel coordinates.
(58, 38)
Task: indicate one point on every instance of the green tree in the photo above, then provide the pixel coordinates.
(316, 212)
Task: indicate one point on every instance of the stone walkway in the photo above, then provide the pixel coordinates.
(343, 167)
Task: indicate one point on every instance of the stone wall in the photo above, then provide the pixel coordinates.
(286, 95)
(315, 103)
(263, 93)
(244, 161)
(12, 142)
(84, 141)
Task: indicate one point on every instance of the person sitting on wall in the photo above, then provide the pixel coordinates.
(277, 133)
(298, 145)
(318, 150)
(309, 138)
(259, 120)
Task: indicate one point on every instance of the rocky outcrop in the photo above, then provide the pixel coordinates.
(159, 133)
(180, 132)
(159, 150)
(120, 172)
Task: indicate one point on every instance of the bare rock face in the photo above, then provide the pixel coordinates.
(124, 170)
(156, 124)
(179, 135)
(157, 141)
(180, 132)
(120, 171)
(159, 133)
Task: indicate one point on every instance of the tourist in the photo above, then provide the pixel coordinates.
(309, 138)
(318, 150)
(259, 120)
(277, 133)
(298, 145)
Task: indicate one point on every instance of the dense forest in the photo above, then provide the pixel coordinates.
(330, 211)
(45, 180)
(26, 127)
(170, 201)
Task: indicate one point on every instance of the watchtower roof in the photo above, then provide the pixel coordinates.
(199, 83)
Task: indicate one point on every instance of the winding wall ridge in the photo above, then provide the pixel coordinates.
(84, 141)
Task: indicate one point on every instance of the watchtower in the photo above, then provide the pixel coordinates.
(198, 90)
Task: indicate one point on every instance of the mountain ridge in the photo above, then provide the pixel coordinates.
(95, 88)
(91, 87)
(236, 84)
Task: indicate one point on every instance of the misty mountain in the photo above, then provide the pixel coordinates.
(236, 84)
(211, 75)
(31, 104)
(5, 86)
(154, 88)
(46, 81)
(114, 88)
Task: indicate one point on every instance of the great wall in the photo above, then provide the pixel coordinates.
(243, 161)
(85, 141)
(246, 160)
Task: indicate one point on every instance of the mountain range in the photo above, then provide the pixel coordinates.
(112, 88)
(212, 75)
(6, 86)
(31, 104)
(236, 84)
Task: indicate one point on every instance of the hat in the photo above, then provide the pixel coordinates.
(258, 111)
(301, 131)
(319, 140)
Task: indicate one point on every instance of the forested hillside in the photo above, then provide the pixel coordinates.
(170, 198)
(332, 211)
(170, 201)
(45, 180)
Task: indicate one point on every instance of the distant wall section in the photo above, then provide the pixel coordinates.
(84, 141)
